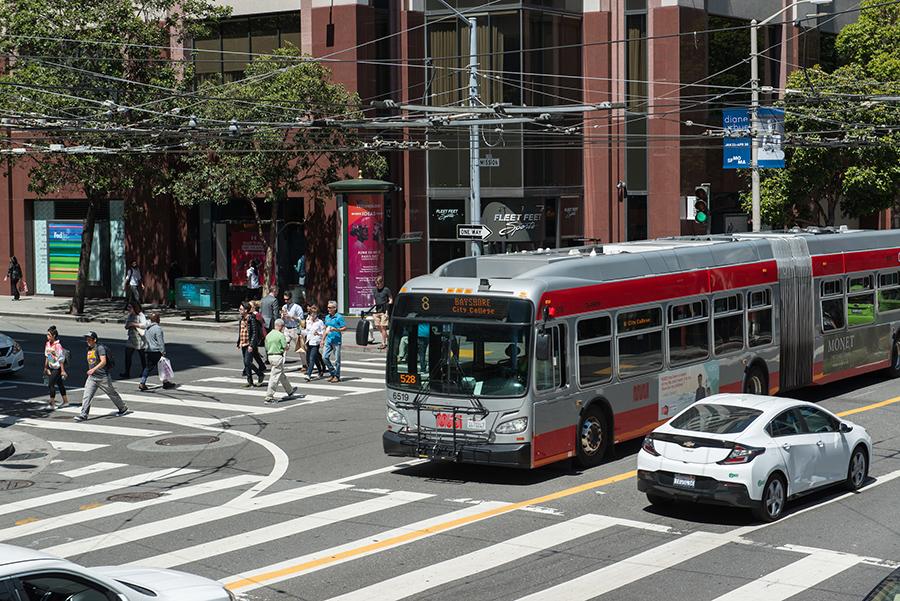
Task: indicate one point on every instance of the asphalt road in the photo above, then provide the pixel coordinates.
(297, 501)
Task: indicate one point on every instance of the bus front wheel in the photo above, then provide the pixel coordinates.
(594, 437)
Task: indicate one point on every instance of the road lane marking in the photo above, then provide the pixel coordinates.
(255, 392)
(81, 427)
(488, 558)
(336, 387)
(267, 534)
(632, 569)
(869, 407)
(311, 562)
(185, 420)
(213, 405)
(64, 445)
(264, 577)
(31, 503)
(108, 510)
(793, 578)
(94, 468)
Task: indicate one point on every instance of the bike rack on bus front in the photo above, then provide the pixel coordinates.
(424, 447)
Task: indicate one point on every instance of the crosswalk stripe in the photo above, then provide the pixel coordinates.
(105, 511)
(634, 568)
(94, 468)
(305, 564)
(335, 388)
(192, 519)
(187, 420)
(64, 445)
(94, 489)
(793, 578)
(82, 427)
(281, 530)
(419, 581)
(368, 363)
(213, 405)
(254, 392)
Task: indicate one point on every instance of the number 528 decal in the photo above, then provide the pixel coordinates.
(408, 378)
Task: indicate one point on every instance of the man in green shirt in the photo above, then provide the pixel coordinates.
(276, 342)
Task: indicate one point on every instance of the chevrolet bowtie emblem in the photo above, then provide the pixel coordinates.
(689, 444)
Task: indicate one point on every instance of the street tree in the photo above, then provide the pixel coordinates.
(842, 130)
(81, 82)
(257, 144)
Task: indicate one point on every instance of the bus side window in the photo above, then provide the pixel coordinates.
(728, 324)
(594, 350)
(860, 301)
(889, 292)
(832, 293)
(551, 373)
(759, 317)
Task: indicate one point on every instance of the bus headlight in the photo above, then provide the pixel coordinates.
(395, 417)
(513, 426)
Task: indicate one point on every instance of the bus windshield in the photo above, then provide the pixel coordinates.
(459, 358)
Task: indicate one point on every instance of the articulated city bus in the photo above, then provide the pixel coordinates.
(530, 358)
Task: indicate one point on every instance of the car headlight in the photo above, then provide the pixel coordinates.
(513, 426)
(16, 347)
(395, 417)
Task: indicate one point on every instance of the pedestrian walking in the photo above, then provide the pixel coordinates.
(98, 360)
(264, 330)
(268, 308)
(334, 325)
(276, 345)
(315, 337)
(292, 314)
(383, 301)
(135, 329)
(253, 287)
(14, 275)
(133, 284)
(156, 350)
(55, 367)
(249, 339)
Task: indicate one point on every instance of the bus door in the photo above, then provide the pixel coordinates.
(553, 415)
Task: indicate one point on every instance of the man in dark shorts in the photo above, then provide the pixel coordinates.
(383, 300)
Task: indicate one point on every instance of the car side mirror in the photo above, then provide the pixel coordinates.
(542, 346)
(845, 427)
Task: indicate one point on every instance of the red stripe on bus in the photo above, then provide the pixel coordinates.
(636, 422)
(553, 445)
(864, 260)
(742, 276)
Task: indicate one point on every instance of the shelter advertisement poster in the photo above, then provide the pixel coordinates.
(246, 245)
(683, 387)
(63, 250)
(365, 247)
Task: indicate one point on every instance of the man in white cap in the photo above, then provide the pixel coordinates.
(98, 377)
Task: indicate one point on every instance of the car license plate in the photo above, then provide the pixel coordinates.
(475, 424)
(448, 421)
(683, 481)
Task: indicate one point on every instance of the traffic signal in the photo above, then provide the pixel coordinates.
(701, 204)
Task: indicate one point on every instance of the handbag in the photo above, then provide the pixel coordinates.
(166, 373)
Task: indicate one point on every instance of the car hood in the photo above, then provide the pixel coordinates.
(167, 584)
(6, 340)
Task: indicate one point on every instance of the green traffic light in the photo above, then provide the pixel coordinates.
(700, 217)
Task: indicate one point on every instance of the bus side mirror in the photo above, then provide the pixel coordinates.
(542, 346)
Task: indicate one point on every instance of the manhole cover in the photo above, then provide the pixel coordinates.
(26, 456)
(134, 497)
(180, 441)
(14, 484)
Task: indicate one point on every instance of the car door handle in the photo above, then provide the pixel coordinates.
(820, 444)
(786, 446)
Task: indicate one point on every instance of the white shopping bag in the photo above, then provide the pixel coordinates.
(166, 374)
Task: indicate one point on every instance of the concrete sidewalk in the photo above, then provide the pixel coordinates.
(112, 311)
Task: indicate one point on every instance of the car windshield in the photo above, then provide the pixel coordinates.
(888, 590)
(459, 359)
(715, 419)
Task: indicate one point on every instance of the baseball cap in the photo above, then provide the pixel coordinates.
(92, 335)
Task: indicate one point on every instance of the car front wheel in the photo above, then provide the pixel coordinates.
(774, 498)
(858, 469)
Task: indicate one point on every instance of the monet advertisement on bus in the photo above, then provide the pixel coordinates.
(680, 388)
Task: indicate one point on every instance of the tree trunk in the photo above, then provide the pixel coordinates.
(84, 262)
(266, 241)
(270, 249)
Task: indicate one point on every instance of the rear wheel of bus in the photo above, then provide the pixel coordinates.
(594, 437)
(894, 368)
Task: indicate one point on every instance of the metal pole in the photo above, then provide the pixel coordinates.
(754, 124)
(474, 146)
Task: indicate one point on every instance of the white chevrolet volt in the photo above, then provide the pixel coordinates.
(751, 451)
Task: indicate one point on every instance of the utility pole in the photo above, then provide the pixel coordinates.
(474, 133)
(754, 125)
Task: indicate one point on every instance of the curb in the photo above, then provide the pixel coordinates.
(195, 323)
(6, 449)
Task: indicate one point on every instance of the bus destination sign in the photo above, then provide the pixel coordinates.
(463, 306)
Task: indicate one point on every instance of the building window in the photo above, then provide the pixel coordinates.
(636, 217)
(636, 62)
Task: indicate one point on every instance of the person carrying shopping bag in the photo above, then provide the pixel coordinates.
(156, 353)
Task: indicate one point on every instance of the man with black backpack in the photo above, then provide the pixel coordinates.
(99, 363)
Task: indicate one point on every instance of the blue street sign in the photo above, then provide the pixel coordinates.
(736, 151)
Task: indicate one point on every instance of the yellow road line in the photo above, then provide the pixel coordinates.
(416, 534)
(869, 407)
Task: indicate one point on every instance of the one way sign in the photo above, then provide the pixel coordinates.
(472, 232)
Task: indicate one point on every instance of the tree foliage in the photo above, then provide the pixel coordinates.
(843, 157)
(94, 75)
(266, 154)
